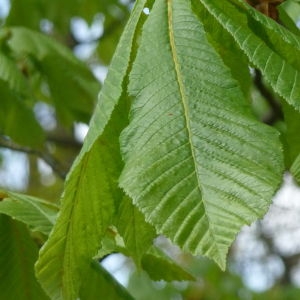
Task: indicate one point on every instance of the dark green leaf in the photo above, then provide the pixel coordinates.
(18, 255)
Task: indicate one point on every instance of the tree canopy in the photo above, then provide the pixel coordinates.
(188, 141)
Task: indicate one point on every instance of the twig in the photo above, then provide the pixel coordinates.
(46, 157)
(276, 111)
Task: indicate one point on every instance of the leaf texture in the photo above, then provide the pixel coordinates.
(270, 47)
(91, 189)
(197, 163)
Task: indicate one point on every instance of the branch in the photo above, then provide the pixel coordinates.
(276, 111)
(64, 141)
(46, 157)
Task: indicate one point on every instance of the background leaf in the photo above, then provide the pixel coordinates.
(160, 267)
(75, 98)
(100, 283)
(137, 234)
(18, 255)
(39, 215)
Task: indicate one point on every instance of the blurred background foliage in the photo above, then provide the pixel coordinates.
(53, 60)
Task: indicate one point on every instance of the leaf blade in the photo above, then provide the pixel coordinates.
(18, 255)
(191, 150)
(91, 189)
(270, 47)
(39, 215)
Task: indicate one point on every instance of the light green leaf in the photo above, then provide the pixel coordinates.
(197, 162)
(39, 215)
(91, 189)
(18, 255)
(270, 47)
(289, 12)
(160, 267)
(114, 83)
(137, 234)
(99, 283)
(228, 49)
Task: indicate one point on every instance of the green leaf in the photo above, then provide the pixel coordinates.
(197, 163)
(289, 12)
(39, 215)
(291, 133)
(160, 267)
(295, 169)
(29, 13)
(228, 49)
(91, 188)
(12, 75)
(13, 113)
(99, 283)
(137, 234)
(270, 47)
(75, 98)
(18, 255)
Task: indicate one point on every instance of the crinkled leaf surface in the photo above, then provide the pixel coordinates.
(39, 215)
(270, 47)
(197, 163)
(91, 187)
(228, 49)
(18, 255)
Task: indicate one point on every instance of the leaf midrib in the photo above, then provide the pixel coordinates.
(185, 108)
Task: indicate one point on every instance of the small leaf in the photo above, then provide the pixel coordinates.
(137, 234)
(288, 13)
(39, 215)
(99, 283)
(295, 169)
(160, 267)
